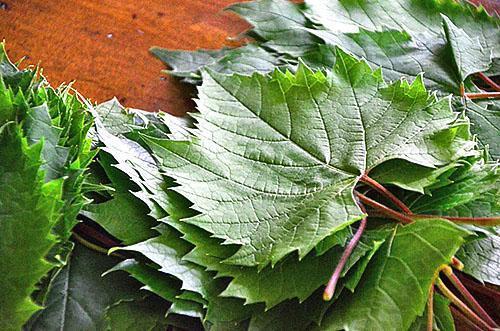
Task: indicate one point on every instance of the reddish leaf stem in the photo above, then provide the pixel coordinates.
(482, 95)
(459, 316)
(332, 283)
(385, 192)
(90, 232)
(484, 221)
(430, 309)
(489, 81)
(462, 306)
(468, 297)
(384, 209)
(457, 264)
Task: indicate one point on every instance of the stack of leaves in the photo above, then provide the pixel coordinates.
(328, 181)
(44, 152)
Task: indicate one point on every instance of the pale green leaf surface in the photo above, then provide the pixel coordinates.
(469, 55)
(481, 258)
(279, 23)
(243, 60)
(485, 123)
(420, 18)
(298, 149)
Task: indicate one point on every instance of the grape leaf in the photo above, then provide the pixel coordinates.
(409, 176)
(124, 216)
(242, 60)
(406, 263)
(39, 127)
(473, 191)
(153, 280)
(420, 18)
(167, 251)
(60, 120)
(298, 149)
(133, 160)
(78, 295)
(469, 54)
(481, 258)
(485, 123)
(141, 315)
(29, 210)
(268, 284)
(443, 320)
(279, 23)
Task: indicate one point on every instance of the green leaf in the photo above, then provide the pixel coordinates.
(258, 167)
(279, 23)
(124, 216)
(406, 37)
(473, 192)
(290, 315)
(59, 119)
(141, 315)
(154, 281)
(78, 295)
(422, 19)
(268, 285)
(39, 127)
(485, 123)
(404, 265)
(443, 319)
(399, 55)
(29, 210)
(469, 55)
(132, 158)
(481, 258)
(409, 176)
(167, 251)
(242, 60)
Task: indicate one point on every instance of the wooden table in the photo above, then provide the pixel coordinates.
(103, 44)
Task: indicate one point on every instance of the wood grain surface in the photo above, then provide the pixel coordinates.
(103, 44)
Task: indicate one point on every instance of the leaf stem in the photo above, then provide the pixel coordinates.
(385, 192)
(462, 306)
(430, 309)
(482, 95)
(468, 296)
(332, 283)
(457, 264)
(384, 209)
(484, 221)
(95, 235)
(89, 244)
(488, 81)
(460, 316)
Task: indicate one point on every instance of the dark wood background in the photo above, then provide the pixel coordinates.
(103, 44)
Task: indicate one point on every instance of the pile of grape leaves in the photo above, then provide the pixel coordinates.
(339, 172)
